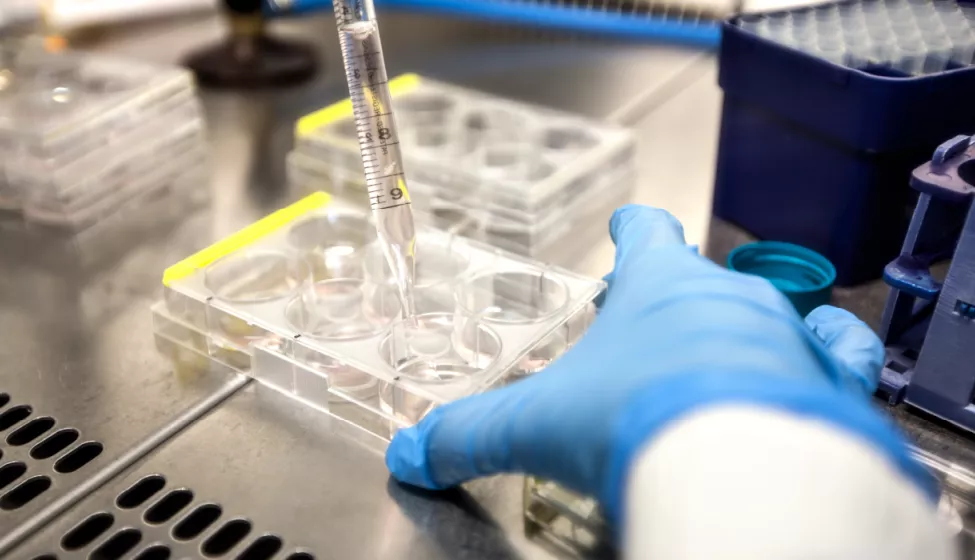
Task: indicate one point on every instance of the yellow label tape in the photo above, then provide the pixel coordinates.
(259, 229)
(343, 109)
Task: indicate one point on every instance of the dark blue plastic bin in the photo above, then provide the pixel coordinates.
(820, 155)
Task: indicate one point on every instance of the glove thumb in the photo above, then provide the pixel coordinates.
(856, 350)
(459, 441)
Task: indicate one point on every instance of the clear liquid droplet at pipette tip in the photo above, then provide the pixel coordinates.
(402, 267)
(397, 235)
(407, 301)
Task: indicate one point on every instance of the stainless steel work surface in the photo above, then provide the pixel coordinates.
(77, 358)
(596, 77)
(289, 473)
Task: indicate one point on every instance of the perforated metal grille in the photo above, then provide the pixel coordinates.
(34, 451)
(154, 519)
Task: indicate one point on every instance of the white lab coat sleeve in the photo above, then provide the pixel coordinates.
(747, 483)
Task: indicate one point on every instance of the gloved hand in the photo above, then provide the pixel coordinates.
(675, 333)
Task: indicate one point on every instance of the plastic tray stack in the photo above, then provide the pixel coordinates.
(303, 302)
(81, 135)
(513, 175)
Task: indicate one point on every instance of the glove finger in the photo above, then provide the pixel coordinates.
(652, 257)
(635, 229)
(857, 351)
(460, 441)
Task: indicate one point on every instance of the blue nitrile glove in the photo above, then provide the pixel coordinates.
(675, 333)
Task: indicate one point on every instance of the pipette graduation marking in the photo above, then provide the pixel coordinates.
(379, 141)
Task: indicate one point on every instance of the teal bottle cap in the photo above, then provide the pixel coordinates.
(803, 275)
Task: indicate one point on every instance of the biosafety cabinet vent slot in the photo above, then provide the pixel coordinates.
(118, 545)
(167, 508)
(78, 457)
(34, 451)
(226, 538)
(155, 519)
(140, 492)
(87, 531)
(262, 548)
(25, 492)
(198, 520)
(30, 431)
(155, 552)
(54, 444)
(10, 472)
(13, 415)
